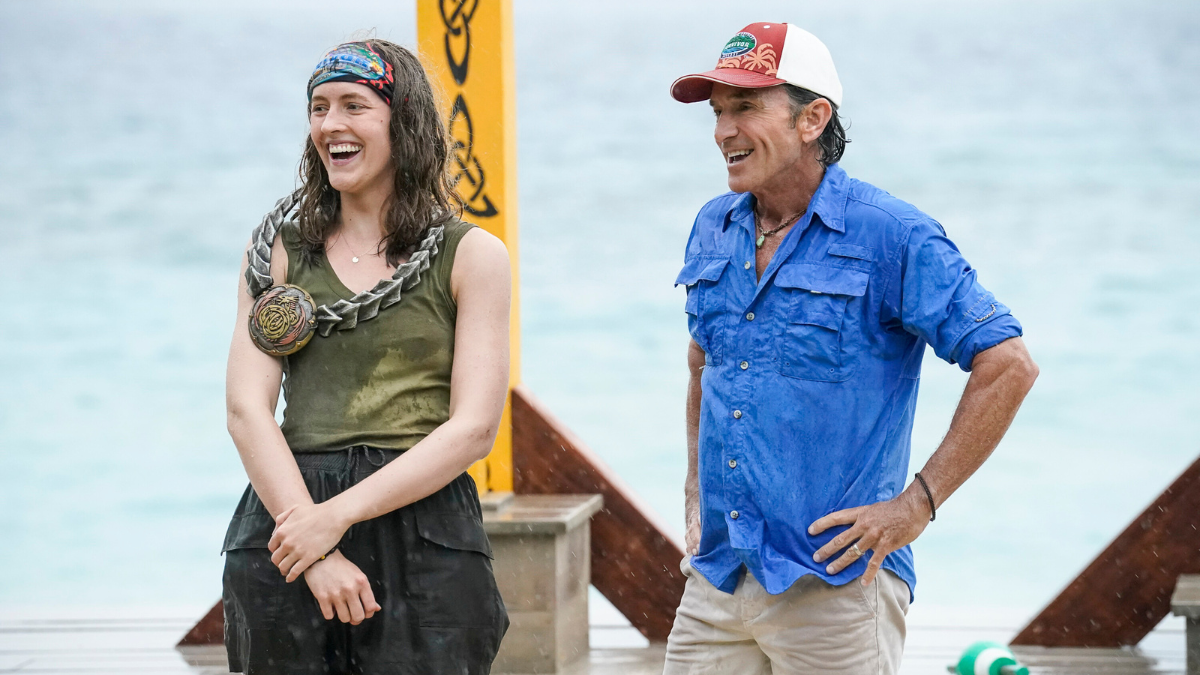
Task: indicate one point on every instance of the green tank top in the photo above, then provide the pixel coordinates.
(385, 383)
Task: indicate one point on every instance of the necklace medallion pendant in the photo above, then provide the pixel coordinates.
(761, 239)
(355, 258)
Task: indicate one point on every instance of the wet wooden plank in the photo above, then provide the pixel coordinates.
(104, 647)
(634, 563)
(1126, 591)
(98, 647)
(612, 661)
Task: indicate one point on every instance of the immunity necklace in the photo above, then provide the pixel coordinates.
(284, 317)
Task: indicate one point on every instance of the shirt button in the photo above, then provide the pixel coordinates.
(749, 316)
(737, 414)
(744, 365)
(733, 514)
(733, 463)
(747, 264)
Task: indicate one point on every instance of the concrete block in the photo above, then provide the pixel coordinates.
(542, 547)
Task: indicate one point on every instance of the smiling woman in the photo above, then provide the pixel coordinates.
(358, 545)
(399, 118)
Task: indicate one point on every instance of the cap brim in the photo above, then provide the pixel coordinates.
(698, 87)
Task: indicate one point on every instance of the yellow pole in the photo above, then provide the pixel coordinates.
(467, 48)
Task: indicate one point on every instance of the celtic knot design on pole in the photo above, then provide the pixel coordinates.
(456, 17)
(343, 314)
(458, 34)
(462, 135)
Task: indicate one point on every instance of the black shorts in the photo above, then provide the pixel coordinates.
(430, 569)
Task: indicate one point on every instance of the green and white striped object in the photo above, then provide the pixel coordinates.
(988, 658)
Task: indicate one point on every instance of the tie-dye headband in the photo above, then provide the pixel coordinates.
(355, 62)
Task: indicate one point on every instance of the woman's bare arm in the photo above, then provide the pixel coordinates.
(251, 394)
(482, 286)
(252, 382)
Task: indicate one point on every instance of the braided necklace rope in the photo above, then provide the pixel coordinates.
(343, 314)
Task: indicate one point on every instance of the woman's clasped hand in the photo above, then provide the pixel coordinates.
(303, 543)
(303, 535)
(341, 589)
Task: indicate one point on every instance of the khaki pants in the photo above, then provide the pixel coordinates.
(812, 627)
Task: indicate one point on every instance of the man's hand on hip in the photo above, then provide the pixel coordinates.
(877, 529)
(1001, 376)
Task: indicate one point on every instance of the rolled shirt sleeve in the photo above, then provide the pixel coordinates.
(943, 302)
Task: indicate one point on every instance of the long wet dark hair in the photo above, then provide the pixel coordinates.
(423, 192)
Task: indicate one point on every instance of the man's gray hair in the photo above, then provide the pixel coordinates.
(832, 140)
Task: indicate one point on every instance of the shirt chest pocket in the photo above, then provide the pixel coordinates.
(705, 304)
(813, 337)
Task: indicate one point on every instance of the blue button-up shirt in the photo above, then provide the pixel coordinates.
(811, 372)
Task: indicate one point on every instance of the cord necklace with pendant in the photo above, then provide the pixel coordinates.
(762, 236)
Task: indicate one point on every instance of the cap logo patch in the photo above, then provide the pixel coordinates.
(761, 59)
(739, 44)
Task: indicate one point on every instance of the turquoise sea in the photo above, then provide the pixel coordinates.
(1058, 141)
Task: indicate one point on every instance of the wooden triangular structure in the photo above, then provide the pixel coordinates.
(1126, 591)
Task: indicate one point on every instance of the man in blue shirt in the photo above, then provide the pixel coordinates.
(810, 298)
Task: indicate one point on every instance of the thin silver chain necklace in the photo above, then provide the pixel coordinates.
(353, 255)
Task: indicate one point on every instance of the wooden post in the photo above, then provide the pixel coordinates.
(467, 49)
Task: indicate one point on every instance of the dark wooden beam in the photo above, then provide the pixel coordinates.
(208, 631)
(1123, 594)
(634, 563)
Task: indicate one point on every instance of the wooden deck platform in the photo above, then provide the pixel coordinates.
(104, 646)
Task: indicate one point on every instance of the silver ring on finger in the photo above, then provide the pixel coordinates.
(857, 551)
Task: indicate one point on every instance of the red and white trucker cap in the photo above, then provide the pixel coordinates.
(764, 55)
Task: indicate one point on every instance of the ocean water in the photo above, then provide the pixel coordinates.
(1056, 140)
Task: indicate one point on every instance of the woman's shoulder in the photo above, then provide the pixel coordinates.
(479, 253)
(466, 239)
(284, 247)
(455, 229)
(466, 248)
(453, 232)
